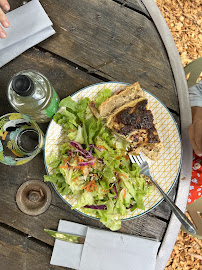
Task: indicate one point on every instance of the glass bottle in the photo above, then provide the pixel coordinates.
(30, 93)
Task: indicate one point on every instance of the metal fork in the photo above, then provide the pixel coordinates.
(144, 166)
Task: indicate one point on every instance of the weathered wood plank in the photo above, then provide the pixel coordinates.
(145, 226)
(116, 42)
(133, 4)
(17, 252)
(17, 3)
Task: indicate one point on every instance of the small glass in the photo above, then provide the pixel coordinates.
(21, 139)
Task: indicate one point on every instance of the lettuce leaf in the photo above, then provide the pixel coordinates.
(69, 103)
(79, 136)
(53, 161)
(81, 110)
(104, 94)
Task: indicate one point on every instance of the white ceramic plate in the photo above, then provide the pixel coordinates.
(165, 170)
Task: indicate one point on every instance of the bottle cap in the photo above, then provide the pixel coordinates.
(23, 85)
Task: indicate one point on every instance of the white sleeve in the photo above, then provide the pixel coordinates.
(195, 95)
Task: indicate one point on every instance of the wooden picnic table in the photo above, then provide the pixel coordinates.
(95, 41)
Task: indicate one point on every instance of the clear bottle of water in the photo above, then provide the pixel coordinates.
(30, 93)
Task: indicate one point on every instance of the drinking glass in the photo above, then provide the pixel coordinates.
(21, 139)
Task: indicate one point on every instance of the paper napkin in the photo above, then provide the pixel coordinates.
(104, 250)
(65, 253)
(29, 25)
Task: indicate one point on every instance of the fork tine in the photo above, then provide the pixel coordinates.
(142, 157)
(139, 159)
(132, 159)
(136, 160)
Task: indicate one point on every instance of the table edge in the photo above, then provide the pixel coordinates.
(185, 118)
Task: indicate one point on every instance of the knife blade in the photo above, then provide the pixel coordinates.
(77, 239)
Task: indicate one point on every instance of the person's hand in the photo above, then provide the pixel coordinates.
(3, 19)
(195, 130)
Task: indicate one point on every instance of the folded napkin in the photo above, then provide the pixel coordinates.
(65, 253)
(103, 250)
(29, 25)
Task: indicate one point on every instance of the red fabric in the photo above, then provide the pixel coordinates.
(195, 190)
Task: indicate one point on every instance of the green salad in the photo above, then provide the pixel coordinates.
(94, 165)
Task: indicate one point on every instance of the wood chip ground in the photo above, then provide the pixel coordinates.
(184, 18)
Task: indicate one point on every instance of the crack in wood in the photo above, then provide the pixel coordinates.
(96, 68)
(90, 70)
(93, 71)
(159, 217)
(173, 112)
(27, 236)
(131, 6)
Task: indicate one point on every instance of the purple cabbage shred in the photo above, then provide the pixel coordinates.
(90, 162)
(80, 149)
(100, 160)
(129, 207)
(96, 207)
(115, 190)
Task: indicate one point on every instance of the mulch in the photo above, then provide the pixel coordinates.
(183, 17)
(186, 254)
(184, 21)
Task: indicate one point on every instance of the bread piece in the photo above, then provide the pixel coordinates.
(117, 100)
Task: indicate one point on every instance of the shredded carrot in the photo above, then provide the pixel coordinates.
(4, 136)
(126, 157)
(120, 174)
(15, 153)
(124, 195)
(92, 186)
(78, 167)
(85, 173)
(72, 130)
(83, 167)
(94, 164)
(65, 160)
(102, 147)
(75, 179)
(64, 167)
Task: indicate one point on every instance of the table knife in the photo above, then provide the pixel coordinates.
(66, 237)
(80, 239)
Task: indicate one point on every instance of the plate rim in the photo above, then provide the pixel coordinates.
(177, 174)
